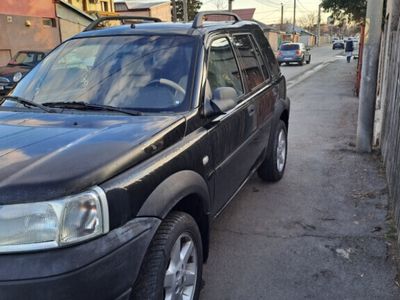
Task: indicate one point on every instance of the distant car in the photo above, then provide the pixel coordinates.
(294, 52)
(17, 68)
(339, 44)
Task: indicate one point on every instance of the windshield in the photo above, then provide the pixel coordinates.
(290, 47)
(23, 58)
(147, 73)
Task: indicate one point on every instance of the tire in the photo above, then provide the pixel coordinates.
(151, 283)
(272, 169)
(309, 60)
(301, 62)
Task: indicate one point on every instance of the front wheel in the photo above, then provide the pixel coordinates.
(172, 268)
(309, 60)
(273, 167)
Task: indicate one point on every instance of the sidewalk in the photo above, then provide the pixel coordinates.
(320, 232)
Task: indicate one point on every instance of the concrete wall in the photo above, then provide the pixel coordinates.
(33, 8)
(15, 35)
(162, 11)
(70, 22)
(274, 39)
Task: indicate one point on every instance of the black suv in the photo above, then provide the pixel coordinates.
(120, 148)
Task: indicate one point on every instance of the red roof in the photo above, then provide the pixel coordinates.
(245, 14)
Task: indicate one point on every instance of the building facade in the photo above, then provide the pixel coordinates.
(161, 10)
(94, 7)
(27, 25)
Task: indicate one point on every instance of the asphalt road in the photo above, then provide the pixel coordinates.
(319, 233)
(318, 55)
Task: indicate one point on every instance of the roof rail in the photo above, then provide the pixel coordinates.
(95, 24)
(198, 20)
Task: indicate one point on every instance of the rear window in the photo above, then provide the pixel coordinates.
(290, 47)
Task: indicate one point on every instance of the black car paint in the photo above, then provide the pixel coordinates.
(145, 174)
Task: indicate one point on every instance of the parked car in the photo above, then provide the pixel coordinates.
(114, 166)
(294, 52)
(339, 44)
(17, 68)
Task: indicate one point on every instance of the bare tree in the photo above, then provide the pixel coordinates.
(220, 4)
(308, 21)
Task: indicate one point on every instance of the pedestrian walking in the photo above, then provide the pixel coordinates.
(349, 50)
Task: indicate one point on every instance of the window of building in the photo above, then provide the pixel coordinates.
(104, 5)
(49, 22)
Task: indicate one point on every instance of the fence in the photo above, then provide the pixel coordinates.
(390, 135)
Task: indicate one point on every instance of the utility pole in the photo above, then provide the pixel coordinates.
(230, 5)
(319, 25)
(294, 17)
(173, 10)
(185, 11)
(369, 74)
(281, 28)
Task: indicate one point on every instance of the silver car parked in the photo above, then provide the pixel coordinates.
(294, 52)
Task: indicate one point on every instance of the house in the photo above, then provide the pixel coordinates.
(244, 14)
(161, 10)
(27, 25)
(94, 7)
(38, 24)
(71, 20)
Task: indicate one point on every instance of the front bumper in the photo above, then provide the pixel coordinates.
(5, 89)
(104, 268)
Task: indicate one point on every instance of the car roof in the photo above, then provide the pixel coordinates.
(166, 28)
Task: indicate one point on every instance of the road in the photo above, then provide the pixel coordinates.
(318, 55)
(319, 233)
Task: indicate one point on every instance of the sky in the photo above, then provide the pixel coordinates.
(269, 11)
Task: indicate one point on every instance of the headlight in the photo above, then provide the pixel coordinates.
(17, 77)
(52, 224)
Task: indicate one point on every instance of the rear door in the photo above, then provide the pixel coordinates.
(231, 132)
(261, 93)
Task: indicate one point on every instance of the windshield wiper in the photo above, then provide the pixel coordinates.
(29, 103)
(88, 106)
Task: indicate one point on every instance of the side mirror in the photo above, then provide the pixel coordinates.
(223, 100)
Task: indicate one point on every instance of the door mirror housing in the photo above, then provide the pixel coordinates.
(223, 100)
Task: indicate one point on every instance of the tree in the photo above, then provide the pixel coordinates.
(193, 7)
(352, 10)
(220, 4)
(308, 21)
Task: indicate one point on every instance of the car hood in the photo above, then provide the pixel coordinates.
(45, 156)
(10, 70)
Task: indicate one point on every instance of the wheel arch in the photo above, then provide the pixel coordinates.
(185, 191)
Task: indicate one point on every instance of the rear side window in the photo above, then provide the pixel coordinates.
(289, 47)
(222, 67)
(248, 58)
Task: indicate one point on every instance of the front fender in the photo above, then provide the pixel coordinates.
(173, 189)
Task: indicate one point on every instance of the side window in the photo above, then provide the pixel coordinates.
(40, 56)
(248, 57)
(261, 59)
(222, 67)
(266, 49)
